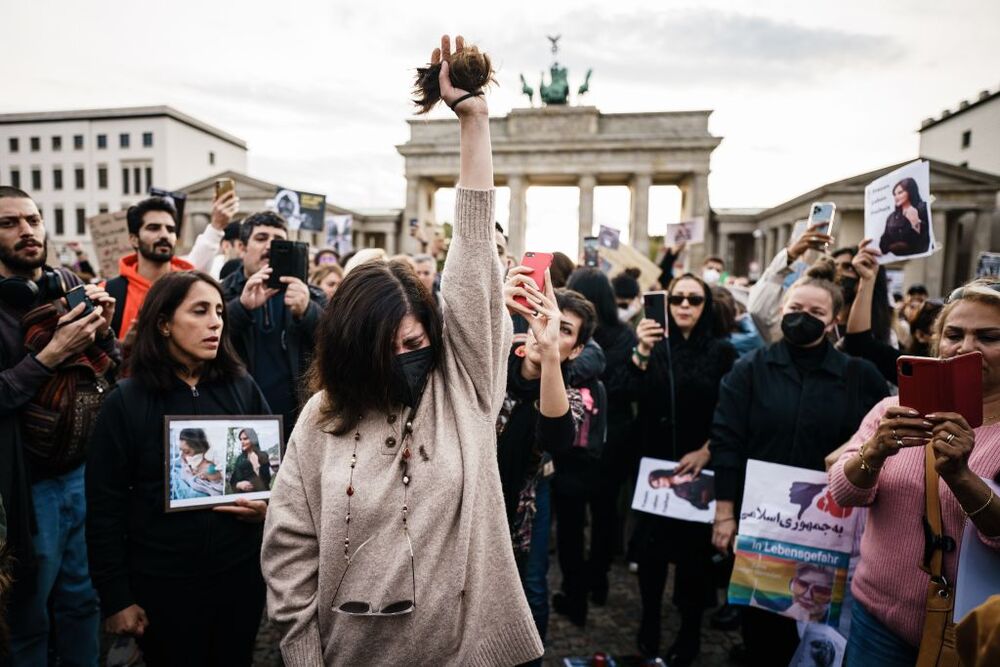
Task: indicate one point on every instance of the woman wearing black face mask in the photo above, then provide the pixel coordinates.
(792, 403)
(386, 540)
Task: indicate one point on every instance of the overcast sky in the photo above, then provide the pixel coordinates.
(803, 93)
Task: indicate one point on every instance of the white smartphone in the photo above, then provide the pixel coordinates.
(821, 215)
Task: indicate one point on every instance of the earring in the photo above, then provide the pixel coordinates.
(165, 333)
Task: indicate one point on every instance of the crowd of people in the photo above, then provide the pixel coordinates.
(438, 426)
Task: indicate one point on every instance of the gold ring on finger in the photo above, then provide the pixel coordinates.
(951, 436)
(899, 443)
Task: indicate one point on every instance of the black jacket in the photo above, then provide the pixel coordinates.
(298, 341)
(767, 411)
(128, 533)
(21, 376)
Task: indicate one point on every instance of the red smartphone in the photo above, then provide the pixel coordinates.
(943, 385)
(538, 262)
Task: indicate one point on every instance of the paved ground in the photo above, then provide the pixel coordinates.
(610, 629)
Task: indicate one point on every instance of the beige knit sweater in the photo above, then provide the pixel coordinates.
(470, 607)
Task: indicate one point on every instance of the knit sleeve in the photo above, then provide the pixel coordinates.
(845, 492)
(290, 562)
(477, 328)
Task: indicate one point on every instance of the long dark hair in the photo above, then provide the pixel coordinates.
(150, 362)
(912, 190)
(196, 439)
(252, 437)
(356, 340)
(596, 287)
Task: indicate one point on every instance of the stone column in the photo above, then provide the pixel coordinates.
(586, 215)
(694, 204)
(981, 239)
(518, 218)
(412, 211)
(638, 223)
(419, 205)
(722, 250)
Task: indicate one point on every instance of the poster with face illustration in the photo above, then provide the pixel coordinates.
(661, 490)
(898, 213)
(214, 460)
(794, 544)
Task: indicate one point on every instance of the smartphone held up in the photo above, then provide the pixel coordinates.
(943, 385)
(821, 215)
(539, 263)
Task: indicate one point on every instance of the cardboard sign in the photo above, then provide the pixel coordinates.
(616, 260)
(659, 490)
(109, 233)
(898, 213)
(794, 544)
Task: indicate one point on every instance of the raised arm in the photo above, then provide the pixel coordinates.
(478, 331)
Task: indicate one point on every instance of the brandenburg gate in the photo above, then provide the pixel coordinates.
(579, 146)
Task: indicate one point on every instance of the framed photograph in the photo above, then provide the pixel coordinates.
(213, 460)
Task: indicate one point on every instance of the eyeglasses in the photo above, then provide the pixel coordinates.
(361, 608)
(961, 291)
(818, 590)
(677, 299)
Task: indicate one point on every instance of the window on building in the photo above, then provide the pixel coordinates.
(57, 143)
(102, 177)
(36, 144)
(137, 179)
(211, 157)
(124, 180)
(78, 142)
(966, 138)
(81, 221)
(147, 139)
(103, 208)
(60, 221)
(36, 179)
(102, 141)
(14, 144)
(57, 179)
(123, 140)
(15, 177)
(149, 178)
(78, 178)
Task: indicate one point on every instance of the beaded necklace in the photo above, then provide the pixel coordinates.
(404, 464)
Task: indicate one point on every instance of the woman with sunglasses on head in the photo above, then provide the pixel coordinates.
(883, 469)
(387, 541)
(677, 379)
(153, 569)
(793, 403)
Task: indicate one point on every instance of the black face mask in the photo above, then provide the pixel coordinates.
(410, 371)
(850, 289)
(801, 329)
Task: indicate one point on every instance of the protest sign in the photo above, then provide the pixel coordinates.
(794, 544)
(302, 210)
(690, 231)
(978, 570)
(820, 645)
(609, 237)
(338, 233)
(660, 490)
(615, 260)
(988, 265)
(898, 213)
(109, 233)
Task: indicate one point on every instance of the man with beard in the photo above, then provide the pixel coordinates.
(52, 360)
(272, 329)
(152, 231)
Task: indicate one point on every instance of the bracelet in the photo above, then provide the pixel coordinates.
(642, 357)
(728, 518)
(867, 467)
(985, 505)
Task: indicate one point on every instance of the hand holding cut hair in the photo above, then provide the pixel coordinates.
(451, 76)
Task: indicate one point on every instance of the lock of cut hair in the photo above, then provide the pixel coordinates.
(470, 69)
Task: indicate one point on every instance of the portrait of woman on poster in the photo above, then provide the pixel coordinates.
(907, 229)
(698, 490)
(252, 468)
(197, 471)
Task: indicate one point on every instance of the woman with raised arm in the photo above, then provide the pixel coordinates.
(386, 540)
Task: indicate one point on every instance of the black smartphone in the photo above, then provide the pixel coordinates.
(654, 306)
(78, 295)
(287, 258)
(591, 249)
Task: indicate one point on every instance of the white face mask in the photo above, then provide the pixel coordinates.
(625, 315)
(710, 276)
(194, 460)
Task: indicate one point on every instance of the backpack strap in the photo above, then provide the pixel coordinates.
(117, 288)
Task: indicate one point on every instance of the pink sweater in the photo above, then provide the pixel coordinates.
(889, 581)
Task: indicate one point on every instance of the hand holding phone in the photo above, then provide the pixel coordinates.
(78, 295)
(539, 263)
(287, 258)
(932, 386)
(591, 250)
(821, 217)
(224, 186)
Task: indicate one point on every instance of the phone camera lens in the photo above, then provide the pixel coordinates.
(906, 368)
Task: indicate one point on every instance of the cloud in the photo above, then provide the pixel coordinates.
(705, 46)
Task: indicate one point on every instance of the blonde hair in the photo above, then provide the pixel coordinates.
(321, 272)
(980, 290)
(364, 256)
(821, 274)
